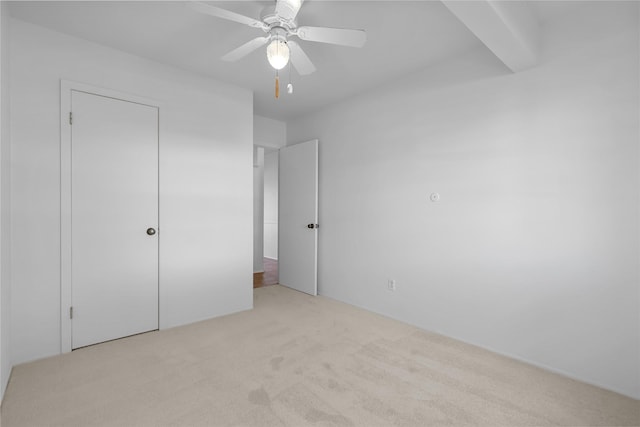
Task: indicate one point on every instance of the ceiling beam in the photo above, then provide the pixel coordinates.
(508, 28)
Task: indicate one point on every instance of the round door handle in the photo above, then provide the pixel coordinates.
(312, 226)
(151, 231)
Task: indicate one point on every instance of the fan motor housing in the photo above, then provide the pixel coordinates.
(269, 17)
(278, 33)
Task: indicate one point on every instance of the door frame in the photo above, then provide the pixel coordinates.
(66, 86)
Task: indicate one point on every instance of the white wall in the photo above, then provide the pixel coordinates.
(533, 249)
(205, 182)
(271, 205)
(5, 204)
(269, 133)
(258, 209)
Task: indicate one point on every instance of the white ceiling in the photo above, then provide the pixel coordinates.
(403, 37)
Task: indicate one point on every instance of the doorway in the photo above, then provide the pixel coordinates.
(266, 217)
(286, 217)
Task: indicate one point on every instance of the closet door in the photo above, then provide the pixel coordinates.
(114, 218)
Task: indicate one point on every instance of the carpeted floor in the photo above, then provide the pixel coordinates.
(298, 360)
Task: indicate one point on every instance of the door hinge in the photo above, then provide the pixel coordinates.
(70, 118)
(70, 312)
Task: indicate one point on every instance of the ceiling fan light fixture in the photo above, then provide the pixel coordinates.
(278, 53)
(279, 22)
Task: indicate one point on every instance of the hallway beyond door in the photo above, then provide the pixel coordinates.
(269, 276)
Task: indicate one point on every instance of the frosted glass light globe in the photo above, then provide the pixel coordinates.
(278, 54)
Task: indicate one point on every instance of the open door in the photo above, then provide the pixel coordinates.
(298, 217)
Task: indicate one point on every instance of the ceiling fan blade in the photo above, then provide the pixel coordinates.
(340, 36)
(299, 59)
(288, 9)
(245, 49)
(227, 14)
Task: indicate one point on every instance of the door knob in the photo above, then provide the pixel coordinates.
(312, 226)
(151, 231)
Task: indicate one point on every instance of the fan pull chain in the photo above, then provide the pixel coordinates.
(290, 85)
(277, 76)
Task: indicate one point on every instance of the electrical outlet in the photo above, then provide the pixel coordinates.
(391, 285)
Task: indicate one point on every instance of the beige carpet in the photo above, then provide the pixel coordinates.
(298, 360)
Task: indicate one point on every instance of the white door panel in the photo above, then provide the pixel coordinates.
(298, 207)
(114, 200)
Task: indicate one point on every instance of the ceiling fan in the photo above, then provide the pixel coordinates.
(279, 22)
